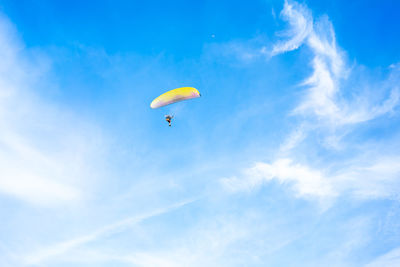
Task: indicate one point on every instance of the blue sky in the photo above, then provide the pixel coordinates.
(289, 158)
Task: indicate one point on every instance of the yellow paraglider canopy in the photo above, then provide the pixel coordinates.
(174, 96)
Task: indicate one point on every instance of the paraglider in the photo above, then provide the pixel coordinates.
(173, 96)
(168, 118)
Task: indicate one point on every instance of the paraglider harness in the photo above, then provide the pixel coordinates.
(168, 118)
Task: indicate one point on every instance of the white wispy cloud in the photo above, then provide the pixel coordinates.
(60, 248)
(390, 259)
(301, 25)
(214, 241)
(305, 181)
(294, 138)
(370, 179)
(323, 99)
(45, 151)
(324, 111)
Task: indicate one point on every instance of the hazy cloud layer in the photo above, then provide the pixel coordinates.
(46, 152)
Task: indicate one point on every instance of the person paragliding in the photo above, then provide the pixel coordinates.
(173, 96)
(168, 118)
